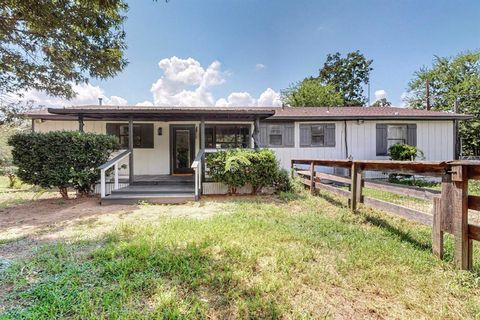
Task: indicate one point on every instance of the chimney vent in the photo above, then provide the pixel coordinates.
(100, 101)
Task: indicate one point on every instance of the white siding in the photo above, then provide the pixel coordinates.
(434, 138)
(146, 161)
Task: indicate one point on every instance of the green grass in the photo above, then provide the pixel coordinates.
(298, 257)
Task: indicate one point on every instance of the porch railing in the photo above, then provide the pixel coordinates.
(114, 162)
(197, 166)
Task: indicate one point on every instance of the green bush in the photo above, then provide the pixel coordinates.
(235, 168)
(282, 182)
(403, 152)
(61, 159)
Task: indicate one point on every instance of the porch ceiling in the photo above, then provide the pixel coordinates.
(163, 113)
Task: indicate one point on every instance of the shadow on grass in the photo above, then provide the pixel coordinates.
(402, 235)
(332, 199)
(129, 275)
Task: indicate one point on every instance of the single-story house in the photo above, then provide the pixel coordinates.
(168, 142)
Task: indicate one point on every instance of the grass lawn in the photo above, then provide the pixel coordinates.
(294, 257)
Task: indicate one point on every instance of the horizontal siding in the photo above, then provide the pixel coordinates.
(434, 138)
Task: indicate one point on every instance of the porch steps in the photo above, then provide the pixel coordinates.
(177, 192)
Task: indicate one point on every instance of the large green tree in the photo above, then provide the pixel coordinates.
(452, 79)
(311, 93)
(48, 45)
(347, 75)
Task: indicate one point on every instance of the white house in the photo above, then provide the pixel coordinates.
(166, 141)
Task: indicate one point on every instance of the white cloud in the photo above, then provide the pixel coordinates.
(380, 94)
(145, 103)
(86, 94)
(185, 82)
(260, 66)
(269, 98)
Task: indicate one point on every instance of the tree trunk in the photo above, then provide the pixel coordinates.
(64, 192)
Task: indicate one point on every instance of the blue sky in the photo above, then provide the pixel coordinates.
(290, 39)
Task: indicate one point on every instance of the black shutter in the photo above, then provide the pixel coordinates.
(289, 135)
(262, 137)
(330, 135)
(381, 138)
(305, 135)
(412, 134)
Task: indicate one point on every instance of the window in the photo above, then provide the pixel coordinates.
(317, 135)
(276, 135)
(142, 134)
(390, 134)
(227, 136)
(396, 134)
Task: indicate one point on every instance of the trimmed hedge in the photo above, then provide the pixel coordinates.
(236, 168)
(61, 159)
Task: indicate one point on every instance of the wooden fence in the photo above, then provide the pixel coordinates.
(450, 205)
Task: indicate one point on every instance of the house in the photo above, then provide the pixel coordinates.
(167, 144)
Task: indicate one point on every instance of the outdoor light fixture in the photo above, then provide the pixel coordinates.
(160, 131)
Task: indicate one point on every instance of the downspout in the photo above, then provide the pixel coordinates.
(345, 136)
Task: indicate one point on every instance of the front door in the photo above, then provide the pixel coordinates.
(182, 148)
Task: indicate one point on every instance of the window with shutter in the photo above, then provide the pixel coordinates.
(389, 134)
(277, 135)
(317, 135)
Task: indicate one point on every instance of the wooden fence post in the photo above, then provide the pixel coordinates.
(354, 187)
(437, 231)
(460, 217)
(360, 185)
(312, 178)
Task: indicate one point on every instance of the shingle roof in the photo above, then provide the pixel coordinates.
(286, 113)
(344, 113)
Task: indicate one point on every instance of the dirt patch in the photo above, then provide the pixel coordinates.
(26, 226)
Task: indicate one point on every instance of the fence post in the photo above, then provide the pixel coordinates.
(360, 185)
(437, 231)
(354, 187)
(292, 169)
(312, 178)
(460, 217)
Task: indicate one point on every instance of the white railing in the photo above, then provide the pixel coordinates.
(107, 165)
(197, 166)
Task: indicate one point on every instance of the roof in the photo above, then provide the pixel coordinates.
(363, 113)
(97, 112)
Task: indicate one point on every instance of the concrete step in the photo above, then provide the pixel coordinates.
(170, 198)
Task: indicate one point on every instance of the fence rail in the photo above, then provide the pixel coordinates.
(449, 206)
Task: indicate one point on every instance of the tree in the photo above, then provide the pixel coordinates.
(311, 93)
(381, 103)
(347, 75)
(452, 79)
(48, 45)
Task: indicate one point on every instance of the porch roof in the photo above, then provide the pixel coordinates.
(162, 113)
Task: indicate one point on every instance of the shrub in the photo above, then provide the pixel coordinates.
(62, 159)
(235, 168)
(228, 167)
(282, 182)
(403, 152)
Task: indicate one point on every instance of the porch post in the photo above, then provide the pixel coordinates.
(80, 123)
(256, 132)
(130, 147)
(202, 147)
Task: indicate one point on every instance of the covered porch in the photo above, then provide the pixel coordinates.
(164, 148)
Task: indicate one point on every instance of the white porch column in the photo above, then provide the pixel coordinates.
(130, 147)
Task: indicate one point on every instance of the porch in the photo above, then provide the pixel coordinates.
(164, 156)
